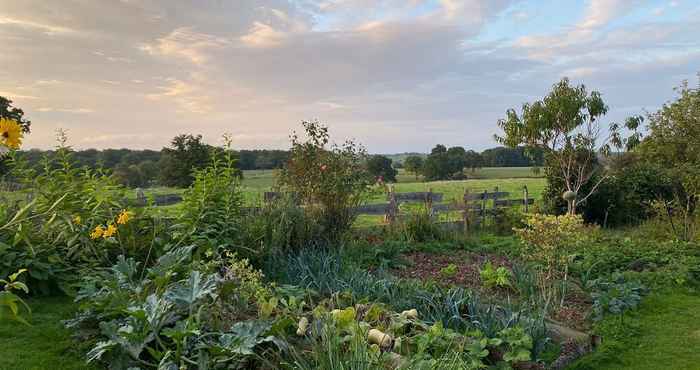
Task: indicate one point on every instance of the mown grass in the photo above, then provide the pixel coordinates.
(663, 334)
(46, 344)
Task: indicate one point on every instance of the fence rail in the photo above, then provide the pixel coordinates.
(474, 207)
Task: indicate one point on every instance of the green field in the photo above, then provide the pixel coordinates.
(507, 179)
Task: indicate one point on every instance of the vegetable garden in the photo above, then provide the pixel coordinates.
(297, 285)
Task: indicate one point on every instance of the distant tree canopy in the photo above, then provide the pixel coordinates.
(185, 154)
(380, 166)
(512, 157)
(414, 164)
(444, 164)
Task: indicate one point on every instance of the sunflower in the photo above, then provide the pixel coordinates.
(10, 133)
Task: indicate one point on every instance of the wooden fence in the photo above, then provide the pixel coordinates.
(473, 207)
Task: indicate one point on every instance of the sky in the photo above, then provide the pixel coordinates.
(394, 75)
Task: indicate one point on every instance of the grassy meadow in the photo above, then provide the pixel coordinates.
(506, 179)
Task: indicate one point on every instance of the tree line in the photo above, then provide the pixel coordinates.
(172, 166)
(455, 163)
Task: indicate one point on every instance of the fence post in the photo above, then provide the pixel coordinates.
(484, 199)
(465, 212)
(429, 202)
(525, 197)
(392, 207)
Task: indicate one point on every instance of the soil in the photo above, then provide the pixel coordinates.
(427, 266)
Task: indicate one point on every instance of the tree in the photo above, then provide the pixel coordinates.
(565, 124)
(414, 164)
(380, 167)
(177, 163)
(673, 143)
(473, 160)
(444, 164)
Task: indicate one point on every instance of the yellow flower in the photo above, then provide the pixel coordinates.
(123, 217)
(111, 230)
(77, 220)
(98, 232)
(10, 133)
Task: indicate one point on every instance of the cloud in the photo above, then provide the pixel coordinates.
(398, 75)
(46, 28)
(66, 110)
(263, 35)
(186, 43)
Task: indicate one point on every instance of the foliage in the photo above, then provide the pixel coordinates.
(381, 168)
(495, 277)
(186, 154)
(565, 124)
(50, 235)
(282, 226)
(616, 296)
(211, 218)
(419, 226)
(551, 240)
(444, 164)
(329, 181)
(512, 157)
(414, 164)
(627, 197)
(168, 315)
(448, 271)
(10, 303)
(672, 143)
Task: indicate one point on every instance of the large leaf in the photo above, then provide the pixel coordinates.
(188, 292)
(244, 336)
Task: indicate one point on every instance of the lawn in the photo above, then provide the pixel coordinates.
(663, 334)
(46, 344)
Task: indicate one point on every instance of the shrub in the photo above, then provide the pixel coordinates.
(330, 181)
(551, 240)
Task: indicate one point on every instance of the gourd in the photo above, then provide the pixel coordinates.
(303, 325)
(569, 195)
(377, 337)
(410, 314)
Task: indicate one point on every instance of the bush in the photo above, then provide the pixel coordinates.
(551, 240)
(331, 181)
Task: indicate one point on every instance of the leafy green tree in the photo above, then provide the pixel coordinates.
(186, 154)
(414, 164)
(381, 167)
(673, 143)
(444, 164)
(473, 160)
(565, 124)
